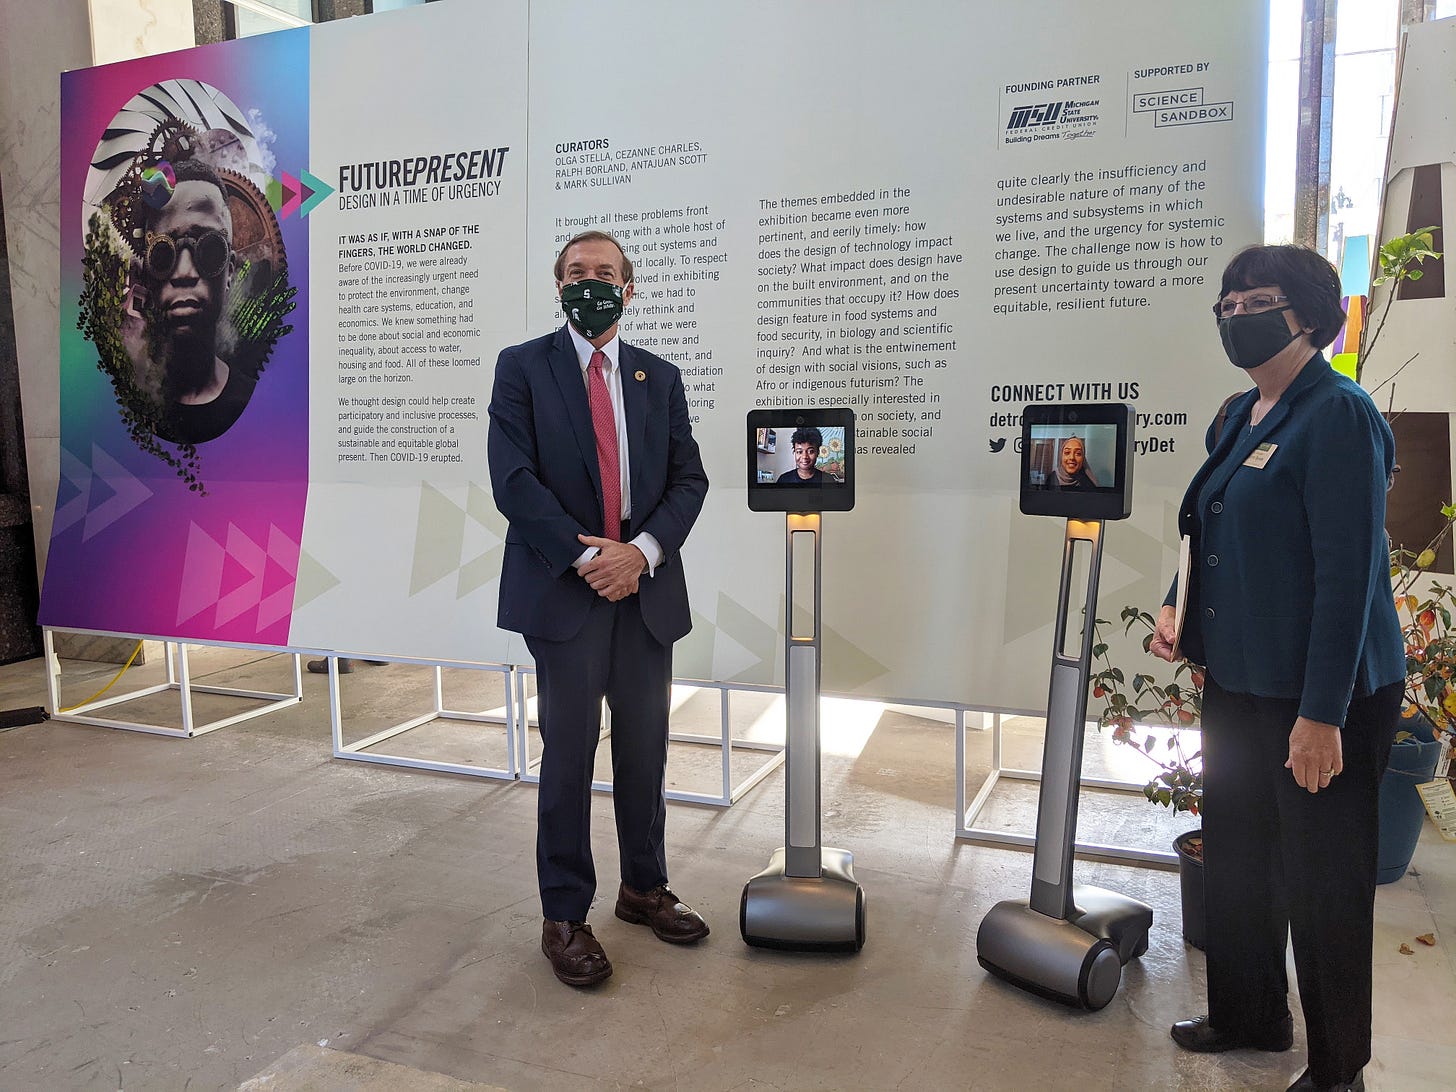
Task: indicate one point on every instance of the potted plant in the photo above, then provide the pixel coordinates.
(1399, 259)
(1130, 708)
(1425, 607)
(1430, 711)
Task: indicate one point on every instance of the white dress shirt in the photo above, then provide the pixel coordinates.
(612, 375)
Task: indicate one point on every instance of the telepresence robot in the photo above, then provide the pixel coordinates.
(807, 898)
(1068, 943)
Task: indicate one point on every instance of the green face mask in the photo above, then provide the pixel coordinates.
(593, 307)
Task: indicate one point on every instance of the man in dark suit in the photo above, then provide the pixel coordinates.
(594, 465)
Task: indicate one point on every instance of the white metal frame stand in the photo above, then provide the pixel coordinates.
(179, 678)
(731, 793)
(357, 751)
(967, 831)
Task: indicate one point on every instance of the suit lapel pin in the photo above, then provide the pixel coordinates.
(640, 376)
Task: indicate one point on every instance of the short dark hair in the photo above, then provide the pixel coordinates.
(807, 435)
(193, 169)
(593, 237)
(1306, 276)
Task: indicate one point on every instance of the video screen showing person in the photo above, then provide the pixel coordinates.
(1076, 460)
(804, 455)
(1066, 456)
(801, 460)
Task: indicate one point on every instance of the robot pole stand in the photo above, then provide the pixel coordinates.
(807, 899)
(1066, 943)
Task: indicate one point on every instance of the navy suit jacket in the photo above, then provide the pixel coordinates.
(1290, 595)
(544, 472)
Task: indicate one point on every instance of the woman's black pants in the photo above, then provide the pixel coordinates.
(1281, 861)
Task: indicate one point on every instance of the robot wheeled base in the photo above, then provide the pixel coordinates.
(823, 913)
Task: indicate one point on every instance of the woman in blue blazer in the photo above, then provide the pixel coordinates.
(1291, 611)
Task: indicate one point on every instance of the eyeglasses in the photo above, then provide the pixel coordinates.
(1252, 305)
(210, 252)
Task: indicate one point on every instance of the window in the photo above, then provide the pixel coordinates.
(244, 18)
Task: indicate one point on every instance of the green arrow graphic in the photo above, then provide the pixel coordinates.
(319, 190)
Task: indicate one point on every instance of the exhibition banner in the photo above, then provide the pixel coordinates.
(933, 213)
(184, 366)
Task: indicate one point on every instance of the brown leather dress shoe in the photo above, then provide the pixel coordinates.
(671, 919)
(575, 955)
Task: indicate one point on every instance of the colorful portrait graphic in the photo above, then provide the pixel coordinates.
(184, 386)
(185, 275)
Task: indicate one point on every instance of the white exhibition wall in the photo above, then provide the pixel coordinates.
(934, 213)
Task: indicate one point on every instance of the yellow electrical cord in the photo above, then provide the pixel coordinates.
(108, 686)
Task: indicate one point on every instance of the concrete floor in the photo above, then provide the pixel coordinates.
(200, 913)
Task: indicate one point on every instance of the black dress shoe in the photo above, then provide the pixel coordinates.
(321, 667)
(346, 665)
(1306, 1084)
(1200, 1036)
(575, 954)
(671, 919)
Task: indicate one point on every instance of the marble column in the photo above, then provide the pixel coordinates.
(37, 43)
(19, 636)
(122, 29)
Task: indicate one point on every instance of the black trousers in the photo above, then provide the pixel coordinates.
(615, 657)
(1280, 861)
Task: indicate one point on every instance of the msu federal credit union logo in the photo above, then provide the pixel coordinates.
(1056, 119)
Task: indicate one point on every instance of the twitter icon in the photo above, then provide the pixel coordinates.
(997, 444)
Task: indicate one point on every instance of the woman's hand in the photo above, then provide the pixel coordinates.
(1314, 754)
(1164, 634)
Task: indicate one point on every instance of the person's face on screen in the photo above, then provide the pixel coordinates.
(1073, 458)
(805, 456)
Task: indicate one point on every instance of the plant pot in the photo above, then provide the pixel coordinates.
(1190, 880)
(1412, 763)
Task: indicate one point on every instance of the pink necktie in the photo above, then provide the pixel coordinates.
(604, 421)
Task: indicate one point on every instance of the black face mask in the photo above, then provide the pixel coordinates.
(593, 307)
(1251, 340)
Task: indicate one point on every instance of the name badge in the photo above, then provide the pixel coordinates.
(1261, 456)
